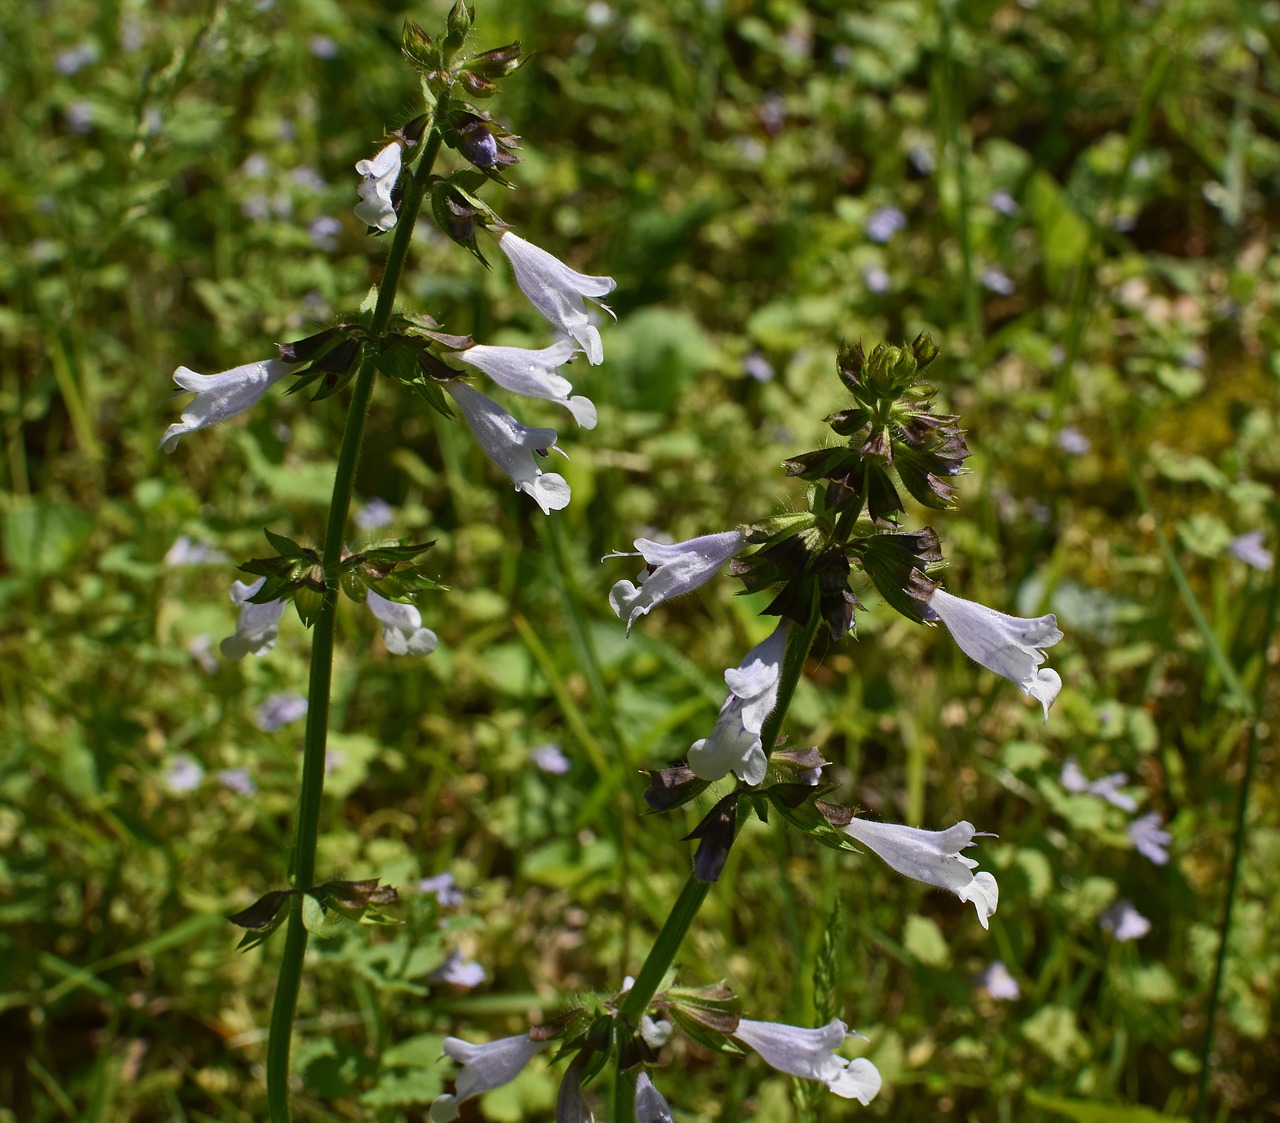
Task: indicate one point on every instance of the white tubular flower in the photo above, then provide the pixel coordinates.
(257, 625)
(533, 374)
(220, 396)
(380, 174)
(810, 1054)
(932, 857)
(1009, 645)
(672, 569)
(402, 629)
(557, 291)
(511, 445)
(650, 1106)
(735, 744)
(484, 1067)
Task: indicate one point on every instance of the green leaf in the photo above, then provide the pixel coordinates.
(1090, 1111)
(925, 942)
(42, 538)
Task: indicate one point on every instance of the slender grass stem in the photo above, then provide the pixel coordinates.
(302, 860)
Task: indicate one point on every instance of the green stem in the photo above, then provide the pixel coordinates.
(680, 919)
(302, 861)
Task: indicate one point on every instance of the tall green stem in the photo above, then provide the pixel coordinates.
(302, 861)
(683, 912)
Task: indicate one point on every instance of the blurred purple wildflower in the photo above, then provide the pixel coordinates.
(1250, 550)
(1149, 839)
(445, 888)
(1124, 922)
(279, 710)
(549, 758)
(884, 222)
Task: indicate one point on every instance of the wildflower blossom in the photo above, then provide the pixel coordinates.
(458, 972)
(996, 280)
(1003, 203)
(200, 649)
(1250, 550)
(183, 775)
(380, 175)
(220, 396)
(257, 625)
(237, 780)
(511, 446)
(445, 887)
(1009, 645)
(650, 1106)
(279, 710)
(533, 374)
(557, 291)
(1073, 442)
(735, 744)
(549, 758)
(673, 569)
(484, 1067)
(1149, 839)
(187, 551)
(998, 983)
(877, 279)
(375, 514)
(932, 857)
(402, 629)
(810, 1055)
(884, 222)
(1124, 922)
(756, 366)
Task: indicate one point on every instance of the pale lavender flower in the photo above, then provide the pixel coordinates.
(1124, 922)
(402, 629)
(307, 178)
(533, 375)
(810, 1055)
(1073, 442)
(380, 175)
(375, 514)
(187, 551)
(256, 166)
(650, 1106)
(1009, 645)
(998, 983)
(237, 780)
(1108, 788)
(279, 710)
(549, 758)
(511, 445)
(322, 47)
(571, 1102)
(220, 396)
(923, 158)
(79, 117)
(558, 292)
(333, 759)
(484, 1067)
(458, 972)
(445, 887)
(1149, 839)
(758, 367)
(672, 570)
(1072, 778)
(257, 625)
(256, 207)
(997, 281)
(735, 744)
(324, 231)
(877, 279)
(932, 857)
(201, 650)
(884, 222)
(1004, 203)
(73, 59)
(1250, 550)
(183, 775)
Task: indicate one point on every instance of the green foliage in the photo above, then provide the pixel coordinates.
(721, 160)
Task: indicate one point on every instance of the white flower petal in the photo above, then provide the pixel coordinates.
(533, 374)
(402, 629)
(932, 857)
(485, 1067)
(557, 291)
(1009, 645)
(257, 625)
(650, 1106)
(675, 569)
(859, 1081)
(220, 396)
(380, 175)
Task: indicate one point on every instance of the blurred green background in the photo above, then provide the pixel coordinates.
(1079, 201)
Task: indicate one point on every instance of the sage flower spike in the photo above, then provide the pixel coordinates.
(533, 374)
(557, 291)
(484, 1067)
(511, 446)
(932, 857)
(257, 625)
(735, 743)
(672, 570)
(220, 396)
(810, 1055)
(402, 629)
(380, 175)
(1009, 645)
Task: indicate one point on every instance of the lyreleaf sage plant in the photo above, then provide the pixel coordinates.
(411, 350)
(819, 560)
